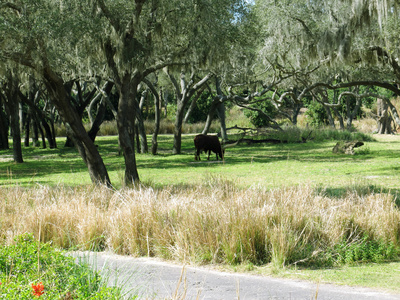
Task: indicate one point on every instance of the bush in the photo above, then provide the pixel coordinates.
(316, 114)
(200, 111)
(257, 118)
(29, 268)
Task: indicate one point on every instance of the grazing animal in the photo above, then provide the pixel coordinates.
(208, 143)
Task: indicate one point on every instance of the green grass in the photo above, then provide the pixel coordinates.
(384, 276)
(375, 165)
(373, 169)
(381, 276)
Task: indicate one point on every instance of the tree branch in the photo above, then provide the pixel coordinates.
(104, 9)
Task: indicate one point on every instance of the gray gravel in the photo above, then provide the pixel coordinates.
(154, 279)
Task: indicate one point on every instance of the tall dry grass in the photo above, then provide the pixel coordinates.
(210, 223)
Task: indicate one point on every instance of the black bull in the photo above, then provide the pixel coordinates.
(208, 143)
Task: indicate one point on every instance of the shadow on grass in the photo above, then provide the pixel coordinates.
(42, 162)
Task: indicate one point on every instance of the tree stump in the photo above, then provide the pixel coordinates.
(346, 147)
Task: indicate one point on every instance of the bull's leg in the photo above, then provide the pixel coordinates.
(209, 153)
(197, 154)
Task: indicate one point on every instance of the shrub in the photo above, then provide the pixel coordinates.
(257, 118)
(316, 114)
(29, 268)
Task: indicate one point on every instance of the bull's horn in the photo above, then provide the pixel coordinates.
(230, 145)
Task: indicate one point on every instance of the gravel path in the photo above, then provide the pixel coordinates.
(154, 279)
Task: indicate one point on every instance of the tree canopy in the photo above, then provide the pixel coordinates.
(261, 55)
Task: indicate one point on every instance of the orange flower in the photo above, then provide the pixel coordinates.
(38, 289)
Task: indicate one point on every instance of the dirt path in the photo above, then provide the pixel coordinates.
(154, 279)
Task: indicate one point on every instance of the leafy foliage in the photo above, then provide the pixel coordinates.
(200, 111)
(31, 268)
(258, 118)
(316, 114)
(366, 250)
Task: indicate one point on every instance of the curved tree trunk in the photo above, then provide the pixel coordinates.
(193, 104)
(88, 151)
(184, 92)
(101, 111)
(211, 114)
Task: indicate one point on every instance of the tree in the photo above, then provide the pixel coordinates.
(144, 36)
(41, 115)
(10, 87)
(184, 92)
(104, 95)
(41, 36)
(3, 126)
(353, 40)
(384, 118)
(157, 112)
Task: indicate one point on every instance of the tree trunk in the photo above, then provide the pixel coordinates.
(36, 129)
(14, 124)
(193, 104)
(184, 92)
(393, 110)
(330, 118)
(157, 115)
(178, 128)
(21, 117)
(12, 103)
(142, 138)
(296, 110)
(126, 125)
(384, 118)
(157, 119)
(101, 111)
(3, 128)
(211, 113)
(39, 117)
(27, 130)
(221, 115)
(88, 151)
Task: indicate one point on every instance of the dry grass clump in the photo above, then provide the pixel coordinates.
(213, 222)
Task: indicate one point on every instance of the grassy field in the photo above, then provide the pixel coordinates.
(295, 210)
(375, 165)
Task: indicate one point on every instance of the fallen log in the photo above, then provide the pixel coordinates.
(346, 147)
